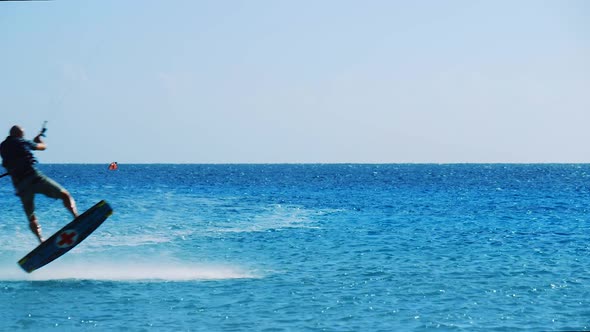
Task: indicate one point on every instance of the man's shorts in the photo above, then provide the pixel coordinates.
(36, 183)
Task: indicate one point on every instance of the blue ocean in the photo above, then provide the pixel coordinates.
(308, 247)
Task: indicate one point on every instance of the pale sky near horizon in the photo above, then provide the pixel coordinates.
(327, 81)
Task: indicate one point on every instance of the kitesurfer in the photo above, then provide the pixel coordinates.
(18, 159)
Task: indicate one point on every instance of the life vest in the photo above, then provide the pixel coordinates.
(17, 157)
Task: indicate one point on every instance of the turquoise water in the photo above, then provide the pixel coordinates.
(308, 248)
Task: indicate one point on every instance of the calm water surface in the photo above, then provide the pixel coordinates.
(308, 248)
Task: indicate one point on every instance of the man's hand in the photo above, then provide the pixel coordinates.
(40, 144)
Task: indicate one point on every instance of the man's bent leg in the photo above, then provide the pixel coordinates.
(69, 203)
(50, 188)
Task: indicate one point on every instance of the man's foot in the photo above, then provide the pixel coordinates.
(36, 228)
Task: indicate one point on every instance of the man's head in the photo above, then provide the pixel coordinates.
(17, 131)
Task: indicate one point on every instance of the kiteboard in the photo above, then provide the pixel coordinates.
(66, 238)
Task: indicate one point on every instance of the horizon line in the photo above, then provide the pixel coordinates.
(317, 163)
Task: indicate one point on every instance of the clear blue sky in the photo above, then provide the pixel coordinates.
(217, 81)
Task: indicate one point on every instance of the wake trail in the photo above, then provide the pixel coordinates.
(108, 271)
